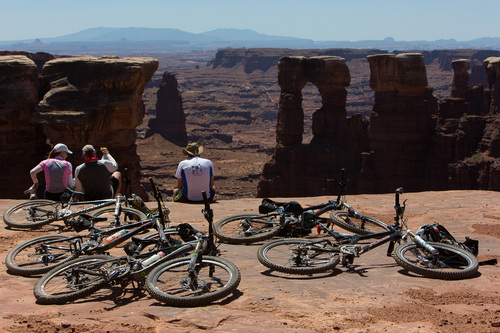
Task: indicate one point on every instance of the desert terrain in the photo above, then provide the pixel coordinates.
(372, 295)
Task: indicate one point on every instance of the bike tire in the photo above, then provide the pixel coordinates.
(55, 287)
(29, 258)
(31, 214)
(230, 229)
(281, 256)
(452, 262)
(127, 216)
(166, 283)
(358, 223)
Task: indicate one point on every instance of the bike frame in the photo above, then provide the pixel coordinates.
(96, 204)
(393, 235)
(196, 256)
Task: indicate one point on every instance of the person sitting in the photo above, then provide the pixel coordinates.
(194, 175)
(97, 179)
(58, 174)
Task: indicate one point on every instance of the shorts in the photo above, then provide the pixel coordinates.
(114, 186)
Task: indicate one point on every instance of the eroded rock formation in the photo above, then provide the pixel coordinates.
(76, 101)
(411, 140)
(22, 142)
(400, 126)
(492, 66)
(96, 101)
(298, 169)
(170, 120)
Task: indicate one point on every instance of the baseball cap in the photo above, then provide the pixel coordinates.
(62, 147)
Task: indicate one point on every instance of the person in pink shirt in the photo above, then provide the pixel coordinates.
(58, 173)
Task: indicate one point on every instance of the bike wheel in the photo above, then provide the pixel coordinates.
(171, 283)
(357, 223)
(39, 255)
(298, 256)
(31, 214)
(247, 228)
(74, 280)
(451, 262)
(127, 216)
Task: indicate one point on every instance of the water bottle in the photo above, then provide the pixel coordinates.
(114, 236)
(152, 259)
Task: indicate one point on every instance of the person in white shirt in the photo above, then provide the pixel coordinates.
(194, 175)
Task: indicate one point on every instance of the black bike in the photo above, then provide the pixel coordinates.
(307, 256)
(34, 214)
(40, 255)
(290, 219)
(198, 279)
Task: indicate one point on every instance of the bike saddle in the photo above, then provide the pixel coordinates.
(94, 218)
(353, 239)
(143, 241)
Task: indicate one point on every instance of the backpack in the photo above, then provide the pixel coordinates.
(439, 234)
(268, 206)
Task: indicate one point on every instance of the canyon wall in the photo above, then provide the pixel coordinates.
(410, 139)
(22, 141)
(77, 101)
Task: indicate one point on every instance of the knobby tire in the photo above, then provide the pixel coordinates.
(127, 216)
(30, 258)
(31, 214)
(70, 281)
(235, 229)
(452, 263)
(297, 256)
(358, 224)
(168, 282)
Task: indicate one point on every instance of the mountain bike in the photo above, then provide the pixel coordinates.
(290, 219)
(41, 254)
(37, 213)
(430, 259)
(202, 279)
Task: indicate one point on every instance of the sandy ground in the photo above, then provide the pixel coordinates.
(373, 295)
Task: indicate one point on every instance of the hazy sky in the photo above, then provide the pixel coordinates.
(319, 20)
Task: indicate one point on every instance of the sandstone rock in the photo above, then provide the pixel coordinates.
(492, 66)
(400, 126)
(97, 101)
(39, 58)
(170, 121)
(403, 73)
(459, 87)
(411, 140)
(22, 143)
(298, 168)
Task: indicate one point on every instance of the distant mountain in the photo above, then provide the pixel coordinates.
(102, 34)
(245, 35)
(130, 34)
(105, 40)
